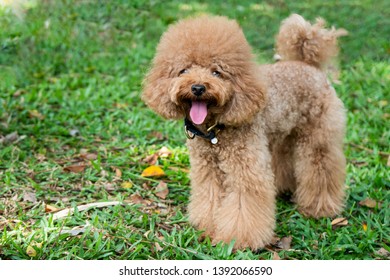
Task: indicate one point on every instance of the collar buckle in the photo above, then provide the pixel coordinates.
(188, 133)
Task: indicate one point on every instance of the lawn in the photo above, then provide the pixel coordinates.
(73, 132)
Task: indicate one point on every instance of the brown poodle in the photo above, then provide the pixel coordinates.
(254, 131)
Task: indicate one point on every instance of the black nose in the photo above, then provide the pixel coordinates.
(198, 90)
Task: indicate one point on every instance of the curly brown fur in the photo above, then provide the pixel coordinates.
(313, 44)
(283, 124)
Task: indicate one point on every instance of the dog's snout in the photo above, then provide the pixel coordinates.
(198, 90)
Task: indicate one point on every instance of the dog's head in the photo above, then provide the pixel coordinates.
(204, 70)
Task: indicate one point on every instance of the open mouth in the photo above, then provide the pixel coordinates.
(198, 111)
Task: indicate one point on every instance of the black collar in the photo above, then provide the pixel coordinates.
(191, 131)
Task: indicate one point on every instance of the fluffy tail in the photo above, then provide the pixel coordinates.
(313, 44)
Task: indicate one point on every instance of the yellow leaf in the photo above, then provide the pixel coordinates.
(364, 226)
(36, 115)
(152, 171)
(127, 185)
(31, 251)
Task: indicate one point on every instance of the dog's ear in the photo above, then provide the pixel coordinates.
(248, 98)
(156, 93)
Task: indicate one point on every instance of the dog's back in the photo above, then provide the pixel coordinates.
(299, 79)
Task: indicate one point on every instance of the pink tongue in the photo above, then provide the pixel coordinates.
(198, 112)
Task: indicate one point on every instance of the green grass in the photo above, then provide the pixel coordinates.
(70, 82)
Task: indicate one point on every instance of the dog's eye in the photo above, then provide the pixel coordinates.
(216, 74)
(184, 71)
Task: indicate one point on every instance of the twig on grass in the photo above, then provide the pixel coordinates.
(69, 211)
(384, 154)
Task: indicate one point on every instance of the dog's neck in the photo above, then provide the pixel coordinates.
(208, 132)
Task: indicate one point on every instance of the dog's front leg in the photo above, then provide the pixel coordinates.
(246, 212)
(206, 184)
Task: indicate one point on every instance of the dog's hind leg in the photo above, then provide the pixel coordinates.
(320, 164)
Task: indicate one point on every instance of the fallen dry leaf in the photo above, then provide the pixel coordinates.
(89, 156)
(31, 251)
(109, 187)
(158, 247)
(364, 225)
(164, 152)
(103, 173)
(338, 222)
(30, 197)
(284, 243)
(77, 168)
(275, 256)
(40, 157)
(136, 199)
(163, 208)
(10, 138)
(315, 244)
(370, 203)
(118, 172)
(36, 115)
(156, 134)
(162, 190)
(151, 159)
(146, 186)
(388, 161)
(49, 208)
(383, 252)
(153, 171)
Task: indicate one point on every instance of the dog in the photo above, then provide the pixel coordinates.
(254, 130)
